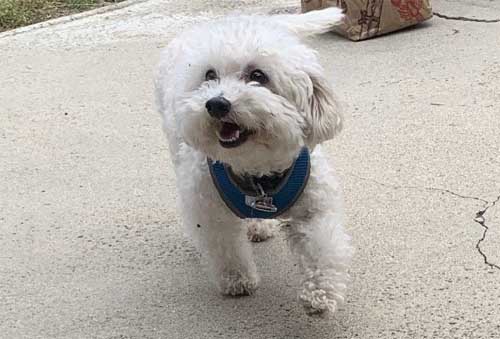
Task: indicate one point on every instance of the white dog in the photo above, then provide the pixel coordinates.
(245, 105)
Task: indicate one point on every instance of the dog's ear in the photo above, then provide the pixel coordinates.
(310, 23)
(323, 112)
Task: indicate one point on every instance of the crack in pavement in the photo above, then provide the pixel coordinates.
(479, 218)
(462, 18)
(423, 188)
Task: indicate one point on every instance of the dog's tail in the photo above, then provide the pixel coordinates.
(314, 22)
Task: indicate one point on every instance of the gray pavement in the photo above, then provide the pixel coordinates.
(89, 240)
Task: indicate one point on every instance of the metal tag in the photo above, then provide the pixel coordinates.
(263, 204)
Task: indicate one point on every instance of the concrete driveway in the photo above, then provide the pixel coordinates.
(89, 240)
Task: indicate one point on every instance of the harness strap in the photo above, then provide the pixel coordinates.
(261, 204)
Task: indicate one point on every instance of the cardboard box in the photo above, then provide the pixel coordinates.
(369, 18)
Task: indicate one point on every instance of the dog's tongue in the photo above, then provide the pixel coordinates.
(229, 131)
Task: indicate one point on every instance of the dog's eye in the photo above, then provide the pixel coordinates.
(211, 75)
(259, 77)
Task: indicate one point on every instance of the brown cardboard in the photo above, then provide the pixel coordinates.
(369, 18)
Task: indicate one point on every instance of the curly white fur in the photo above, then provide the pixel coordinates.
(295, 108)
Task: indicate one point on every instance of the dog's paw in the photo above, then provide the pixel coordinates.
(320, 297)
(260, 230)
(316, 303)
(234, 283)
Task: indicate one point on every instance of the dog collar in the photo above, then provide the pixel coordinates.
(263, 197)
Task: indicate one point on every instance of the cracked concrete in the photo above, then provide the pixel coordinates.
(423, 188)
(481, 220)
(89, 233)
(485, 11)
(462, 18)
(479, 216)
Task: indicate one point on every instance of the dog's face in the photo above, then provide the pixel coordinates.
(248, 93)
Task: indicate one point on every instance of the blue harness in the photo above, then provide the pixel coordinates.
(261, 197)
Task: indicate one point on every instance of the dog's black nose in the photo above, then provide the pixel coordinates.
(218, 107)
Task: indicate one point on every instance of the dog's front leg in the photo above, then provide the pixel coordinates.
(318, 240)
(224, 242)
(219, 234)
(323, 253)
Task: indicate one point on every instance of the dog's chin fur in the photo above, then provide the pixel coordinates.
(294, 108)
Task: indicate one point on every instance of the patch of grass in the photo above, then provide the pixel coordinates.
(17, 13)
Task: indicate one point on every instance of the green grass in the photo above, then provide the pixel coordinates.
(17, 13)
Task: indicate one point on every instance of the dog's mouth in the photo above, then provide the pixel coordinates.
(232, 135)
